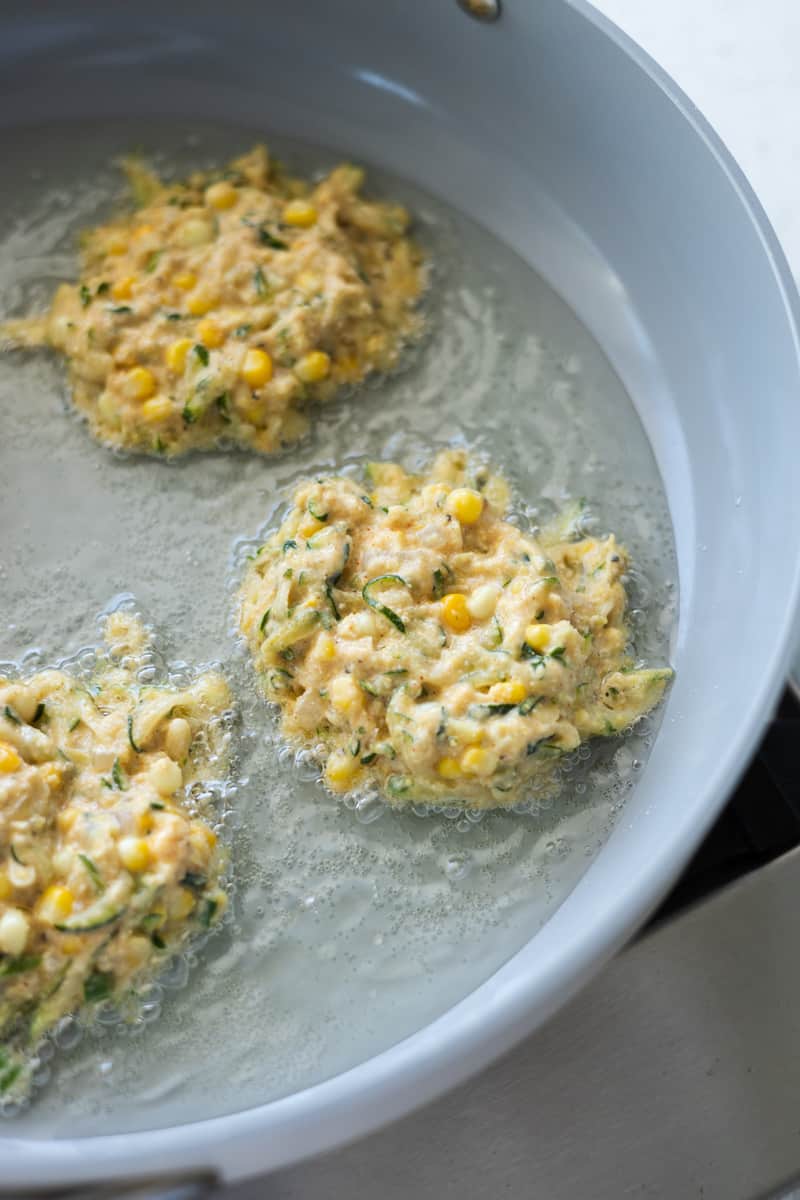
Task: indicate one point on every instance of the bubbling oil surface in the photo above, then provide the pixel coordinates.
(351, 928)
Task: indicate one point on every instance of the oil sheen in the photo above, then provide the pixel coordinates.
(350, 928)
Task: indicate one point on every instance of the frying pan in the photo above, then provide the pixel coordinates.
(562, 138)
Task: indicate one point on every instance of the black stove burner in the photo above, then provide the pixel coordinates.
(761, 821)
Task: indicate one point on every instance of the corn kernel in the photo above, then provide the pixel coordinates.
(448, 767)
(175, 354)
(182, 904)
(201, 301)
(340, 770)
(141, 231)
(257, 368)
(9, 759)
(221, 195)
(194, 232)
(538, 637)
(178, 738)
(477, 761)
(210, 334)
(123, 288)
(300, 213)
(14, 929)
(483, 601)
(54, 904)
(166, 776)
(313, 367)
(66, 819)
(510, 692)
(134, 853)
(344, 693)
(157, 409)
(117, 244)
(326, 647)
(5, 886)
(53, 775)
(455, 612)
(185, 280)
(139, 383)
(465, 505)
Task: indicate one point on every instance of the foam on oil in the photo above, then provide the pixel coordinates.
(348, 931)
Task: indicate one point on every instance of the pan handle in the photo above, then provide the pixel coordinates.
(195, 1187)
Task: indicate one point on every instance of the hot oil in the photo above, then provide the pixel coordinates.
(351, 929)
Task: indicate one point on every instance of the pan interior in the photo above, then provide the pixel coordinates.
(347, 935)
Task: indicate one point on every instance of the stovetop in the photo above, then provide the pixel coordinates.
(760, 822)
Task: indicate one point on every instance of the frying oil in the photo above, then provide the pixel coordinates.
(350, 927)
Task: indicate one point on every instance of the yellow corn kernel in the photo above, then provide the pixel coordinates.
(182, 904)
(185, 280)
(201, 301)
(117, 244)
(9, 759)
(141, 231)
(448, 767)
(455, 612)
(257, 368)
(134, 853)
(53, 775)
(510, 692)
(139, 383)
(538, 637)
(5, 886)
(123, 288)
(66, 819)
(157, 409)
(313, 367)
(344, 693)
(221, 195)
(465, 505)
(341, 770)
(175, 354)
(166, 776)
(55, 903)
(300, 213)
(210, 334)
(477, 761)
(326, 647)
